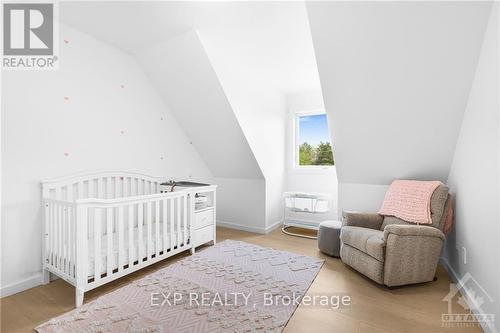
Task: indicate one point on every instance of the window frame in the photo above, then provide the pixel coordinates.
(295, 144)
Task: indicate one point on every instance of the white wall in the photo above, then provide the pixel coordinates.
(241, 204)
(324, 180)
(260, 111)
(183, 74)
(474, 178)
(361, 197)
(99, 126)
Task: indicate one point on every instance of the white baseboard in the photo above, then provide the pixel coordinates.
(257, 230)
(241, 227)
(273, 226)
(14, 288)
(464, 292)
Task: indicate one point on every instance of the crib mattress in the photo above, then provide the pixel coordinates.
(126, 247)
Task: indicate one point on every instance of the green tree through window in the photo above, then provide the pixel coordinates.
(306, 153)
(320, 155)
(314, 141)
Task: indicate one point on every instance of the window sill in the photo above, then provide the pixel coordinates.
(313, 170)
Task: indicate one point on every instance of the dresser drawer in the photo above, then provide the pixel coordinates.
(203, 218)
(203, 235)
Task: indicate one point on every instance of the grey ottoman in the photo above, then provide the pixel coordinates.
(329, 237)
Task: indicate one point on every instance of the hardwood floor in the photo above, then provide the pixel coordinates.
(374, 308)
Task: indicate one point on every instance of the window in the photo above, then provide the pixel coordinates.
(312, 141)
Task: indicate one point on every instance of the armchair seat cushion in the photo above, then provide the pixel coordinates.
(369, 241)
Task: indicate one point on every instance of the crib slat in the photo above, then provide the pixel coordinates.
(178, 222)
(69, 193)
(140, 221)
(46, 231)
(80, 190)
(100, 191)
(131, 247)
(126, 188)
(149, 231)
(97, 244)
(60, 236)
(157, 224)
(53, 237)
(120, 225)
(109, 245)
(109, 186)
(62, 239)
(66, 238)
(56, 235)
(91, 189)
(185, 220)
(51, 233)
(165, 224)
(171, 223)
(68, 244)
(118, 183)
(73, 241)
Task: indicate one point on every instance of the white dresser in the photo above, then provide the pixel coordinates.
(204, 216)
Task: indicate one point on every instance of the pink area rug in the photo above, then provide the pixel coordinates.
(230, 287)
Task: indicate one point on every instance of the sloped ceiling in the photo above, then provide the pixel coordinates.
(183, 74)
(269, 38)
(260, 51)
(395, 78)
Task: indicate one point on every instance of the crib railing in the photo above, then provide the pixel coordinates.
(60, 237)
(103, 185)
(129, 232)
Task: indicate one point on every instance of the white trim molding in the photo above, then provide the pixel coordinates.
(237, 226)
(14, 288)
(273, 226)
(257, 230)
(469, 298)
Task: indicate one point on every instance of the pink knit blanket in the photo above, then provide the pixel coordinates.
(409, 200)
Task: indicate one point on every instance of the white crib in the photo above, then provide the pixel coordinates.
(99, 227)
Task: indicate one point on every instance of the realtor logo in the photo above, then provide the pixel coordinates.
(28, 29)
(28, 36)
(465, 300)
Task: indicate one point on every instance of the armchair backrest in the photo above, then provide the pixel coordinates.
(440, 200)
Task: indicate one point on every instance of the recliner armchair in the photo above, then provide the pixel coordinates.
(391, 251)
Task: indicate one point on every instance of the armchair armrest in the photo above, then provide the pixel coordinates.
(412, 253)
(364, 220)
(412, 230)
